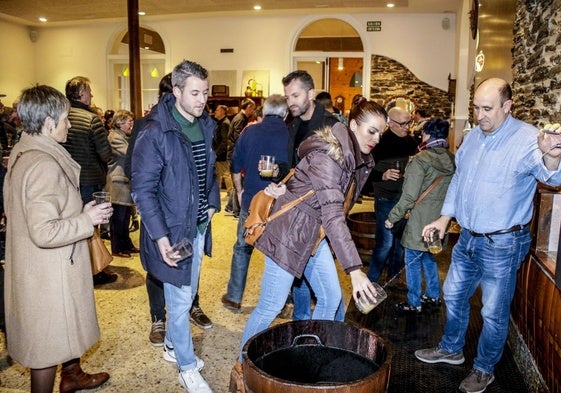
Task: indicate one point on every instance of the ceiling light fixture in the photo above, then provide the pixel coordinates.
(257, 7)
(42, 19)
(390, 5)
(141, 13)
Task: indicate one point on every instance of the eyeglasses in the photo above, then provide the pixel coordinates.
(403, 124)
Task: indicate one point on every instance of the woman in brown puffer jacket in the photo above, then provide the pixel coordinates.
(331, 160)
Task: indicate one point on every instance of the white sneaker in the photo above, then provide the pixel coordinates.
(193, 381)
(169, 356)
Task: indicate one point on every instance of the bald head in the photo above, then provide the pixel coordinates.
(498, 85)
(492, 102)
(399, 121)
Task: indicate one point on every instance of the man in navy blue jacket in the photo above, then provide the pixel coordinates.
(174, 186)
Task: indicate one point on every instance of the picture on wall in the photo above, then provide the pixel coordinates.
(255, 83)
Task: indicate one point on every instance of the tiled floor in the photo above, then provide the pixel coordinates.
(136, 366)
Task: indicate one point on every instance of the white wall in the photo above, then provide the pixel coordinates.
(261, 42)
(17, 62)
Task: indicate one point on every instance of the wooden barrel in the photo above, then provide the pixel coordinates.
(332, 334)
(363, 230)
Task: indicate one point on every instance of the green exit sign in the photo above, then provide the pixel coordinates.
(374, 25)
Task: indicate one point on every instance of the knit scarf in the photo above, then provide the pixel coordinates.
(432, 143)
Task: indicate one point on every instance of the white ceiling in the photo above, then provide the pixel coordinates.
(27, 12)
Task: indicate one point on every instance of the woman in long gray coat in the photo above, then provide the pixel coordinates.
(50, 307)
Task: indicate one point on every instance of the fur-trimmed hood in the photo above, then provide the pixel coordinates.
(341, 145)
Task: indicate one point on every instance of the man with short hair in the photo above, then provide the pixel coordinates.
(491, 196)
(308, 117)
(394, 149)
(220, 145)
(269, 137)
(174, 186)
(237, 125)
(88, 145)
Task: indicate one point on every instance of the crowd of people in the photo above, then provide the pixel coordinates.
(168, 167)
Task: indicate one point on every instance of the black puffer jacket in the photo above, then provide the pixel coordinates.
(88, 145)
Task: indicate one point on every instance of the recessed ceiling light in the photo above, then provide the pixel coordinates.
(257, 7)
(390, 5)
(42, 19)
(141, 13)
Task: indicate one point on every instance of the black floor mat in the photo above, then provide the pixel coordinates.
(407, 333)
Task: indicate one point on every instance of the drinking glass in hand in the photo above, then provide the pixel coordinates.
(267, 166)
(364, 305)
(101, 197)
(397, 166)
(434, 243)
(181, 250)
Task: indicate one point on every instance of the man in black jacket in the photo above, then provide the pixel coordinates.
(307, 118)
(88, 145)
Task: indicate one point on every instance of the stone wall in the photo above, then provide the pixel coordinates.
(390, 79)
(537, 61)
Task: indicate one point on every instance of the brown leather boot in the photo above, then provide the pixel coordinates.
(73, 378)
(237, 384)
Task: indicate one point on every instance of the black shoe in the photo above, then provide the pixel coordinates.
(102, 278)
(105, 235)
(229, 304)
(406, 308)
(199, 318)
(430, 301)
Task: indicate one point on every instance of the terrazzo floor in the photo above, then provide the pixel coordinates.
(124, 350)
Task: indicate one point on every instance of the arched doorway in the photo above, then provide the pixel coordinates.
(152, 65)
(341, 71)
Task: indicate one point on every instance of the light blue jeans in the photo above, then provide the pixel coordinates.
(491, 263)
(302, 299)
(178, 304)
(415, 263)
(240, 263)
(320, 272)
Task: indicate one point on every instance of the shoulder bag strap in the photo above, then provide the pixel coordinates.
(290, 205)
(427, 191)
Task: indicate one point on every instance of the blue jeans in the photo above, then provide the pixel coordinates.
(275, 285)
(240, 263)
(178, 303)
(302, 300)
(387, 247)
(415, 263)
(492, 264)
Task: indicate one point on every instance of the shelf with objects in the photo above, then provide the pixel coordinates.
(233, 103)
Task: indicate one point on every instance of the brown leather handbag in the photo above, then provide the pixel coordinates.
(259, 213)
(100, 256)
